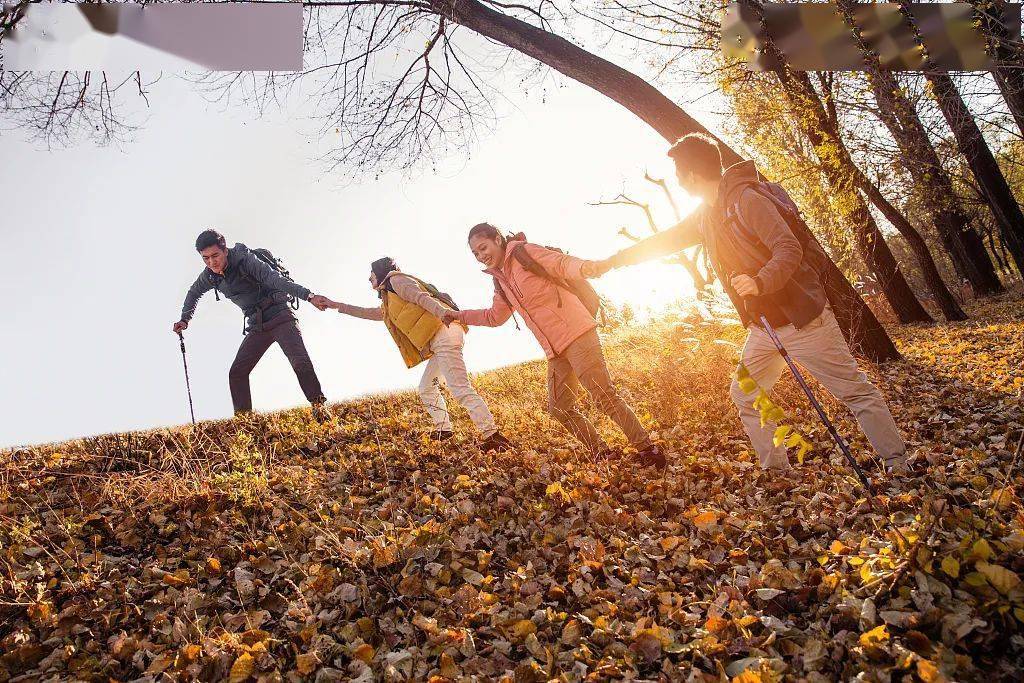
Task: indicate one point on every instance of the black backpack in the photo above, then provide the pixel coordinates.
(580, 288)
(277, 265)
(814, 254)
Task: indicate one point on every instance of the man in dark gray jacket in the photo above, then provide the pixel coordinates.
(262, 294)
(759, 259)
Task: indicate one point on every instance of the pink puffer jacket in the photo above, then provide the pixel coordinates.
(537, 300)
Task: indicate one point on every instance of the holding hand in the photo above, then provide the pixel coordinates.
(745, 285)
(592, 269)
(449, 317)
(179, 326)
(321, 302)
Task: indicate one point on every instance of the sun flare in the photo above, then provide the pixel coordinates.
(648, 288)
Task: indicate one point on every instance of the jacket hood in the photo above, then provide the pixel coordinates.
(235, 254)
(734, 176)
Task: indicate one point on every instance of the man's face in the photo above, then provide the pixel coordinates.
(696, 185)
(373, 280)
(215, 258)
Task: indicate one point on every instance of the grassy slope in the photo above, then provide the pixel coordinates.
(283, 549)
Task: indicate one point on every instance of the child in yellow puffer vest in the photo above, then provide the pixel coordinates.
(412, 311)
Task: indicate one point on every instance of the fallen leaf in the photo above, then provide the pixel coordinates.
(364, 653)
(242, 669)
(1002, 579)
(307, 663)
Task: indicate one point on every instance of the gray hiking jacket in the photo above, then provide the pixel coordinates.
(774, 257)
(250, 284)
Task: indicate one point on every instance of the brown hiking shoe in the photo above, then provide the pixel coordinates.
(496, 442)
(441, 434)
(652, 456)
(321, 413)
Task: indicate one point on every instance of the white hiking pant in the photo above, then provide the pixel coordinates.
(447, 364)
(818, 347)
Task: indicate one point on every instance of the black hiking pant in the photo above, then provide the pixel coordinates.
(283, 329)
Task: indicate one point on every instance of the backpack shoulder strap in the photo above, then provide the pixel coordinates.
(773, 192)
(530, 265)
(499, 290)
(733, 214)
(528, 262)
(770, 191)
(504, 297)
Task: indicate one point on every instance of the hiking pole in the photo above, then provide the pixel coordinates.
(188, 385)
(814, 402)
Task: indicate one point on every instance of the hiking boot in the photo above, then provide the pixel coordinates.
(321, 413)
(496, 442)
(652, 456)
(896, 464)
(608, 454)
(441, 434)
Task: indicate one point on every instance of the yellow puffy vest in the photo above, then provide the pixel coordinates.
(411, 327)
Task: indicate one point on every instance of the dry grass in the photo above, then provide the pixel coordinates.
(279, 548)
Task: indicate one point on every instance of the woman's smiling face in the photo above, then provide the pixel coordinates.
(487, 250)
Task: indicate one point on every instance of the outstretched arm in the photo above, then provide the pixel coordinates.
(564, 266)
(376, 313)
(496, 315)
(408, 289)
(682, 235)
(268, 278)
(201, 286)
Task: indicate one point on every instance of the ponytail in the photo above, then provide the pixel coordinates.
(487, 230)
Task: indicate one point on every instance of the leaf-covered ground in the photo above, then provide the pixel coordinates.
(281, 549)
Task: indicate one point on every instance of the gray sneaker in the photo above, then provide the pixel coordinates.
(896, 464)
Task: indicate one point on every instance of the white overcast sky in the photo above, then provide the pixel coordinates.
(98, 250)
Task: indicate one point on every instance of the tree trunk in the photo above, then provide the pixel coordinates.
(1010, 80)
(972, 144)
(936, 285)
(860, 326)
(983, 164)
(840, 172)
(1005, 51)
(997, 253)
(931, 181)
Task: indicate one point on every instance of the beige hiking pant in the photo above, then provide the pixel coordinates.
(818, 347)
(448, 364)
(582, 366)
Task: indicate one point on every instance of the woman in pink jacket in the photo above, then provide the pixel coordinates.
(565, 328)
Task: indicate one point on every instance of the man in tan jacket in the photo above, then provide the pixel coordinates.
(765, 267)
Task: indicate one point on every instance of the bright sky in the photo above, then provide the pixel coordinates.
(98, 251)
